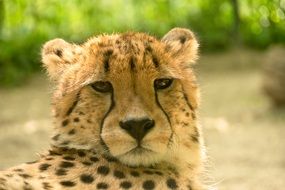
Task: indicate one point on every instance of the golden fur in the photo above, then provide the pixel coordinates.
(87, 121)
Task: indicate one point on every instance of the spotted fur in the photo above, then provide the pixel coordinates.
(125, 116)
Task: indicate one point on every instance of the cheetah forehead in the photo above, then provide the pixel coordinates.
(127, 52)
(117, 54)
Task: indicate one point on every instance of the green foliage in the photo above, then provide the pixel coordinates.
(263, 22)
(28, 24)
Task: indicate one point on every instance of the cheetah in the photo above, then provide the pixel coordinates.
(125, 116)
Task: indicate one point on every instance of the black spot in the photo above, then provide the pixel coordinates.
(60, 172)
(86, 178)
(148, 172)
(102, 185)
(110, 159)
(103, 170)
(132, 63)
(44, 167)
(171, 183)
(158, 173)
(135, 173)
(81, 153)
(47, 186)
(184, 124)
(65, 142)
(148, 185)
(25, 176)
(148, 47)
(64, 149)
(49, 158)
(67, 183)
(58, 53)
(71, 132)
(65, 164)
(155, 61)
(53, 153)
(69, 111)
(18, 170)
(86, 163)
(173, 170)
(189, 187)
(118, 174)
(65, 122)
(3, 180)
(27, 186)
(33, 162)
(193, 115)
(101, 44)
(107, 55)
(126, 184)
(68, 158)
(76, 119)
(195, 138)
(94, 159)
(182, 39)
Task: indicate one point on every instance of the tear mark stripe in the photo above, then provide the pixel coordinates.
(187, 100)
(168, 119)
(103, 120)
(70, 110)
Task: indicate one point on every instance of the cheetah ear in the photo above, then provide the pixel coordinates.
(182, 45)
(58, 56)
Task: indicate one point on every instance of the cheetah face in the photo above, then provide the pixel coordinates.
(129, 96)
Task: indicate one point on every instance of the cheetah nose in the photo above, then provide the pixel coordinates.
(137, 128)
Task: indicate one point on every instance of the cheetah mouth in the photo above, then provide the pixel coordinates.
(140, 156)
(138, 150)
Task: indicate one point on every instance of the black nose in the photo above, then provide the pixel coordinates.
(137, 128)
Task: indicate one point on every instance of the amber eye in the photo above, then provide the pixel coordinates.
(102, 86)
(162, 83)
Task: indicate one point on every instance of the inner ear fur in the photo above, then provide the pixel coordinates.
(182, 44)
(58, 55)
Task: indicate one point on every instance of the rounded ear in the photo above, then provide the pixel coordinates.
(58, 55)
(181, 43)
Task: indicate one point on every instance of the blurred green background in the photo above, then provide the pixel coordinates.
(220, 24)
(244, 131)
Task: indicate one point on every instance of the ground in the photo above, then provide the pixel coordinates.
(244, 135)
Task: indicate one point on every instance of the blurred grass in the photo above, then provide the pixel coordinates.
(243, 134)
(25, 25)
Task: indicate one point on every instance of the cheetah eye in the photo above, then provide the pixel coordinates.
(102, 86)
(162, 83)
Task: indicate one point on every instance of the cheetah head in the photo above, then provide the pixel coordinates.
(129, 96)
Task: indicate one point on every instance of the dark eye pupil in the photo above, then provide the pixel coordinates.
(102, 86)
(162, 83)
